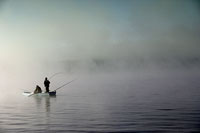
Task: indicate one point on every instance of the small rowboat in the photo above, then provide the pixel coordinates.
(52, 93)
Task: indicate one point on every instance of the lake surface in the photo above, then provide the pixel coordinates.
(102, 103)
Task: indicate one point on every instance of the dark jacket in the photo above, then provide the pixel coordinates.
(38, 90)
(46, 83)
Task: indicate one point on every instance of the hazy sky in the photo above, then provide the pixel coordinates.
(39, 30)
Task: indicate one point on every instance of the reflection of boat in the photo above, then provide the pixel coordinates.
(52, 93)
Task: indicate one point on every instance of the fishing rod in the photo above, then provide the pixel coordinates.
(64, 85)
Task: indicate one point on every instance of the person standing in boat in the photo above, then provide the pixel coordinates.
(46, 84)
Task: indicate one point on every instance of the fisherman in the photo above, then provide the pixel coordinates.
(46, 84)
(37, 90)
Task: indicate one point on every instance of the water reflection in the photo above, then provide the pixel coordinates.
(38, 101)
(47, 104)
(44, 102)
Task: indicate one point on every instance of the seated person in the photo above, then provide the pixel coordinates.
(38, 89)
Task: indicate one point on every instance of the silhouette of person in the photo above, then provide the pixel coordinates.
(38, 89)
(46, 84)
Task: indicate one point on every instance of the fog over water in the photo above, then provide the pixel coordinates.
(40, 38)
(132, 48)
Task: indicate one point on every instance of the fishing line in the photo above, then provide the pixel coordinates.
(56, 74)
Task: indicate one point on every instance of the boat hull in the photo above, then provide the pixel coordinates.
(52, 93)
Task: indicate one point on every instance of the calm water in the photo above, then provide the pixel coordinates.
(166, 102)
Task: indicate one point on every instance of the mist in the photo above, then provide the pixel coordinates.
(41, 38)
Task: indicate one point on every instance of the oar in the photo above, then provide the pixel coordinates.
(32, 94)
(64, 85)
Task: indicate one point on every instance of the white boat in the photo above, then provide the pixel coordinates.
(52, 93)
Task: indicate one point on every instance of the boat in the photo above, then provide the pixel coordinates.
(51, 93)
(28, 94)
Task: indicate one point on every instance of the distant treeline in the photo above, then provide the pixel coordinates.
(93, 65)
